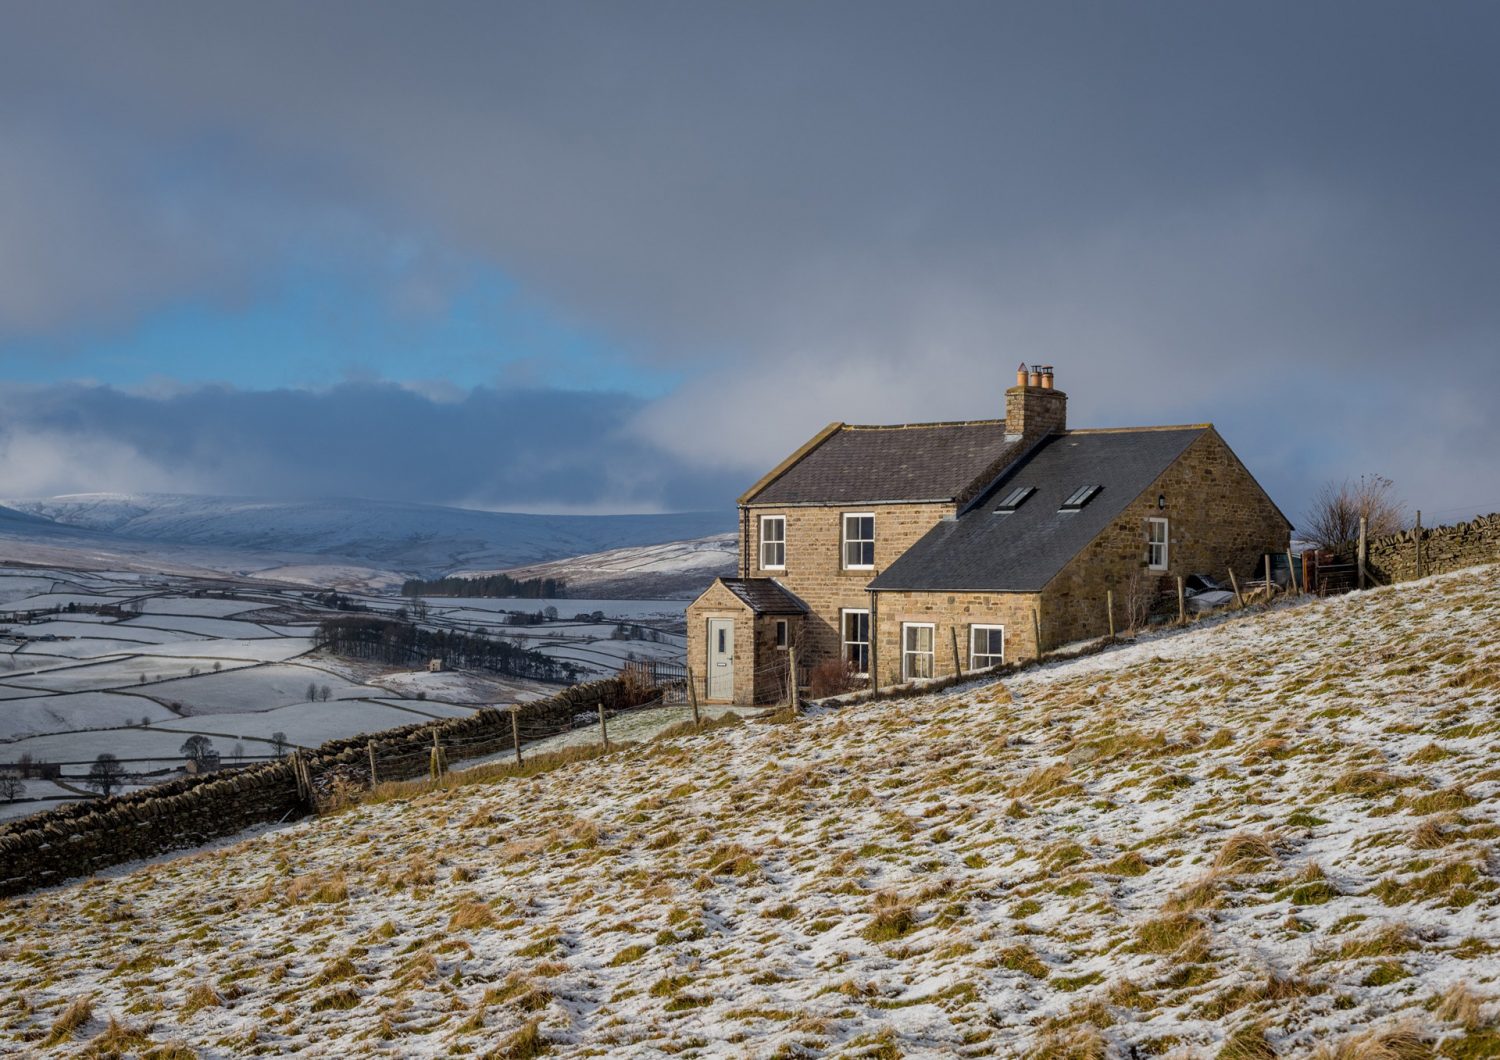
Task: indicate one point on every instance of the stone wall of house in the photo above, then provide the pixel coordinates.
(1444, 548)
(1219, 520)
(814, 562)
(771, 661)
(79, 838)
(952, 614)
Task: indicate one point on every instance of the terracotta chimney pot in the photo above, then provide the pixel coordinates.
(1021, 375)
(1036, 376)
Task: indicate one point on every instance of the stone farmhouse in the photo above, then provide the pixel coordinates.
(912, 551)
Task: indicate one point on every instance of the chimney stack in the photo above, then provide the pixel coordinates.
(1034, 407)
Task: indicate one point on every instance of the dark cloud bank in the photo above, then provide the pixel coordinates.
(1280, 217)
(535, 450)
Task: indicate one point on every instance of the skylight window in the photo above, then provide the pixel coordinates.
(1015, 498)
(1078, 498)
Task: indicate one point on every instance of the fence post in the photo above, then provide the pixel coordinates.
(1234, 583)
(1268, 577)
(1036, 629)
(438, 764)
(1419, 542)
(958, 665)
(603, 728)
(1363, 550)
(693, 695)
(1181, 602)
(1291, 569)
(515, 732)
(297, 776)
(1109, 605)
(791, 678)
(370, 749)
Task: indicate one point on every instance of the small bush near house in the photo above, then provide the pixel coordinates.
(832, 677)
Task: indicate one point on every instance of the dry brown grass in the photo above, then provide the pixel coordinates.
(523, 1044)
(323, 887)
(78, 1012)
(1400, 1041)
(1074, 1043)
(199, 996)
(891, 917)
(1462, 1006)
(1246, 852)
(1206, 892)
(471, 915)
(118, 1039)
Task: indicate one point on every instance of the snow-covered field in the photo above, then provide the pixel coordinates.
(1265, 837)
(161, 659)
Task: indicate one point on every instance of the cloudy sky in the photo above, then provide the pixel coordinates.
(624, 256)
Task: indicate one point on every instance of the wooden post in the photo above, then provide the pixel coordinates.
(1363, 549)
(1109, 605)
(438, 764)
(603, 727)
(1036, 629)
(958, 666)
(515, 732)
(791, 678)
(370, 749)
(693, 695)
(874, 646)
(1419, 542)
(1268, 577)
(1234, 583)
(1181, 601)
(1291, 569)
(297, 775)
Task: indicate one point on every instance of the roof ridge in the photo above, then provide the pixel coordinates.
(1140, 430)
(913, 426)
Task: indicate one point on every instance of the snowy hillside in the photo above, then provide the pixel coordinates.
(1266, 837)
(385, 535)
(675, 570)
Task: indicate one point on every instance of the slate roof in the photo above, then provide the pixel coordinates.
(982, 550)
(913, 462)
(766, 596)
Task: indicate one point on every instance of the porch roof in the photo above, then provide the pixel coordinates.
(765, 596)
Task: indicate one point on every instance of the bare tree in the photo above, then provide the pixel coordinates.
(237, 752)
(312, 691)
(1333, 522)
(279, 744)
(11, 788)
(1138, 598)
(200, 750)
(105, 775)
(24, 764)
(325, 693)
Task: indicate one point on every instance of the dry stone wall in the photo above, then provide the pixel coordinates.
(1444, 548)
(80, 838)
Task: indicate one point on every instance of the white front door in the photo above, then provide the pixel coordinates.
(721, 658)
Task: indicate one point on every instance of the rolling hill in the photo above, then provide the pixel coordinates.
(256, 534)
(1273, 835)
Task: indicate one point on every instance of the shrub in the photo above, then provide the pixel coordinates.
(832, 677)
